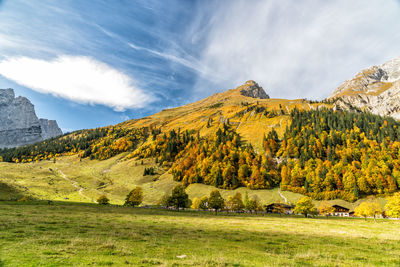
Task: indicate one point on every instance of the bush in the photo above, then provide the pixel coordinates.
(103, 200)
(23, 199)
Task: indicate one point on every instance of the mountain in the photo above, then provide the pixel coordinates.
(375, 89)
(247, 108)
(235, 140)
(19, 124)
(50, 129)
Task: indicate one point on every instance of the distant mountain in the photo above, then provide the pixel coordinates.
(376, 90)
(19, 124)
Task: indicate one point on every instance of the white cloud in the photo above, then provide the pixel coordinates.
(294, 48)
(76, 78)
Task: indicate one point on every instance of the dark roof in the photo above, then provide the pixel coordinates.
(280, 204)
(340, 207)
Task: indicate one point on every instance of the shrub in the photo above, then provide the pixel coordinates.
(23, 199)
(103, 200)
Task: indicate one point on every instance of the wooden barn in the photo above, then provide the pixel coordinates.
(341, 211)
(279, 208)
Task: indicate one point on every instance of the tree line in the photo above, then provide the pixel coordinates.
(179, 199)
(100, 143)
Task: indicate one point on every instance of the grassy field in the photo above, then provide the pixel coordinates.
(86, 234)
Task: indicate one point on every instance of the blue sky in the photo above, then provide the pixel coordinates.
(94, 63)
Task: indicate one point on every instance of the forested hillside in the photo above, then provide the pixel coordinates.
(324, 153)
(230, 140)
(336, 154)
(101, 143)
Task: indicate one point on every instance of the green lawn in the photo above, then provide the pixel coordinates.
(69, 234)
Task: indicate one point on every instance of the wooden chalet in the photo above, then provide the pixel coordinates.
(341, 211)
(279, 208)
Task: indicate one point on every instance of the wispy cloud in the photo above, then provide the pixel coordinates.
(77, 78)
(294, 48)
(171, 56)
(192, 63)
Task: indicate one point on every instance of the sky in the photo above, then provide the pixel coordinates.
(94, 63)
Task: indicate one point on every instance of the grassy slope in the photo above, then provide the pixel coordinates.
(114, 177)
(118, 176)
(82, 235)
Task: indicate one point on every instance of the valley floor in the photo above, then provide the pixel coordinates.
(77, 234)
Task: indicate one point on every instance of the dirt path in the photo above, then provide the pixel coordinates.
(282, 196)
(76, 185)
(238, 125)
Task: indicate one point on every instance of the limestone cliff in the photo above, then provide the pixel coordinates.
(19, 124)
(49, 128)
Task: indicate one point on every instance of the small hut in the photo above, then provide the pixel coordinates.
(280, 208)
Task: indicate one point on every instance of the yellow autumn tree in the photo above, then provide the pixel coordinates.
(392, 207)
(368, 209)
(304, 206)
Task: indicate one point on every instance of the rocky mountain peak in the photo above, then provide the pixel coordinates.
(252, 89)
(375, 89)
(391, 69)
(6, 96)
(19, 124)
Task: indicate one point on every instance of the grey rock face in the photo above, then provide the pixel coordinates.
(252, 89)
(49, 129)
(376, 90)
(19, 124)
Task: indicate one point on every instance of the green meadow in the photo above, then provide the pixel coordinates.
(77, 234)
